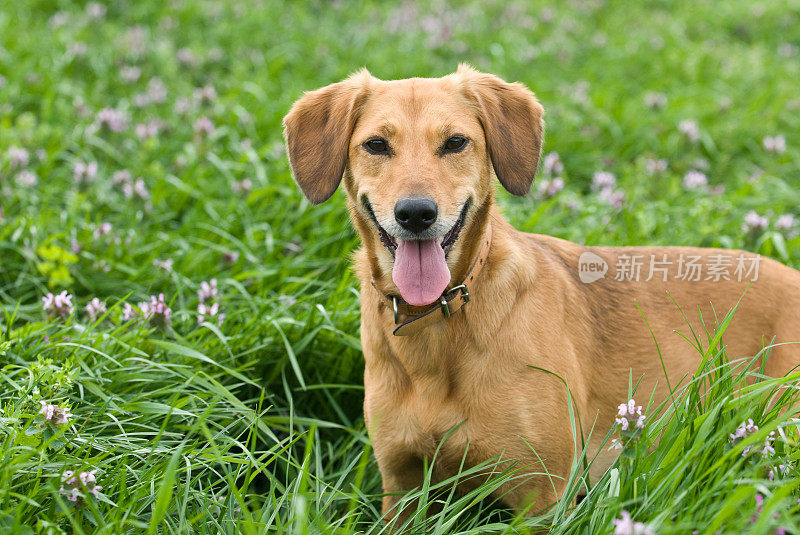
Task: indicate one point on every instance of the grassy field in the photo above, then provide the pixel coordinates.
(141, 154)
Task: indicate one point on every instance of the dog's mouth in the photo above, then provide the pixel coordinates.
(447, 241)
(420, 269)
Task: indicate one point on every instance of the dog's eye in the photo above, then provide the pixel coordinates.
(377, 146)
(454, 144)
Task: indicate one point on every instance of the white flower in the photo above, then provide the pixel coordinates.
(603, 180)
(690, 129)
(694, 180)
(776, 144)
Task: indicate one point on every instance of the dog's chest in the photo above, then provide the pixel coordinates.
(434, 420)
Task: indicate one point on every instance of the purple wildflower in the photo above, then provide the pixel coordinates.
(186, 56)
(18, 156)
(157, 312)
(689, 128)
(654, 166)
(54, 415)
(552, 165)
(655, 101)
(166, 264)
(243, 186)
(182, 106)
(628, 409)
(626, 526)
(103, 229)
(26, 178)
(113, 119)
(754, 223)
(212, 311)
(204, 127)
(84, 171)
(694, 180)
(58, 305)
(785, 222)
(95, 308)
(148, 130)
(205, 94)
(550, 187)
(776, 144)
(78, 488)
(130, 74)
(603, 180)
(156, 90)
(614, 198)
(96, 10)
(746, 429)
(208, 290)
(231, 257)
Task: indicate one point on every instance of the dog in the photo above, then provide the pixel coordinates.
(471, 327)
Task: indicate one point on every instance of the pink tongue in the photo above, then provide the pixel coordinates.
(420, 271)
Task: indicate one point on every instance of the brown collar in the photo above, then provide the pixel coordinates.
(410, 319)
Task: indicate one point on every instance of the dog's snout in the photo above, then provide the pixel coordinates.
(415, 215)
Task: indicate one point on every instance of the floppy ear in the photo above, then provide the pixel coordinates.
(318, 130)
(512, 123)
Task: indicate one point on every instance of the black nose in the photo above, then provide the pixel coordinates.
(415, 215)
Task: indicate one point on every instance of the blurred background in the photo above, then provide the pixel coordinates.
(141, 153)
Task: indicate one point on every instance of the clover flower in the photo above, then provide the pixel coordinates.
(77, 488)
(208, 290)
(148, 130)
(785, 222)
(96, 10)
(157, 312)
(655, 101)
(113, 119)
(58, 305)
(614, 198)
(552, 165)
(129, 312)
(776, 144)
(84, 171)
(781, 470)
(18, 156)
(204, 127)
(747, 428)
(242, 186)
(603, 180)
(53, 415)
(694, 179)
(156, 90)
(182, 106)
(626, 526)
(754, 223)
(130, 74)
(654, 166)
(689, 128)
(550, 187)
(231, 257)
(205, 94)
(95, 308)
(212, 311)
(26, 178)
(103, 229)
(626, 410)
(165, 264)
(186, 56)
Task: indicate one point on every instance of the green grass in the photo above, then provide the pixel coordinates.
(254, 425)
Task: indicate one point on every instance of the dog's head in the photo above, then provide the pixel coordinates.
(417, 157)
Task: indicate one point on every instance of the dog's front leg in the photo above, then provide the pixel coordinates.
(401, 473)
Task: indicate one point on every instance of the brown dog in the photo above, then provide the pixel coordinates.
(461, 313)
